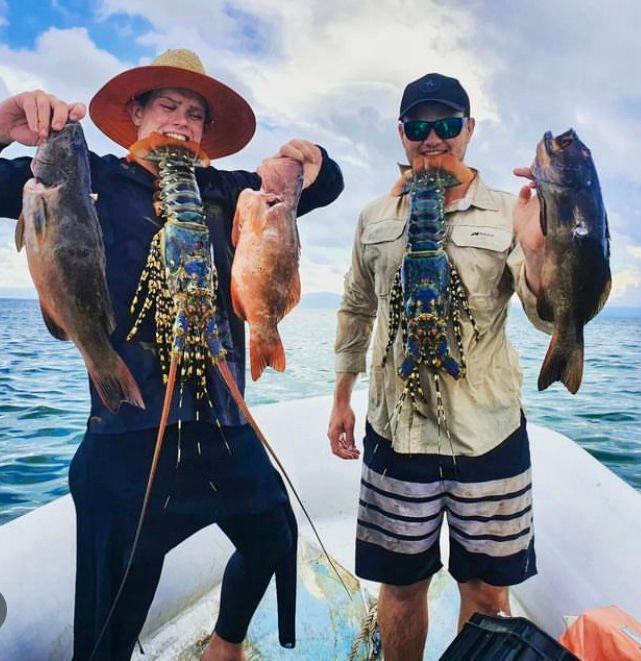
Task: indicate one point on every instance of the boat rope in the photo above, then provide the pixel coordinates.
(369, 636)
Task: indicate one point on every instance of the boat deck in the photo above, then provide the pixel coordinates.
(588, 554)
(328, 619)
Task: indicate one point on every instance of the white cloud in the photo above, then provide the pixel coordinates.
(55, 64)
(333, 72)
(13, 265)
(626, 288)
(635, 251)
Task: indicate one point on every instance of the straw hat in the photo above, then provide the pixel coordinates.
(233, 119)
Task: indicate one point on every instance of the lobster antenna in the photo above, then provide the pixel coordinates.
(173, 368)
(223, 368)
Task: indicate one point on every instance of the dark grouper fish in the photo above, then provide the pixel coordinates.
(66, 258)
(575, 280)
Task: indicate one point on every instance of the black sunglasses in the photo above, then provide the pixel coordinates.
(418, 130)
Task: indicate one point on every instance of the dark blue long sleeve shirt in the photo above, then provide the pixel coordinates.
(128, 221)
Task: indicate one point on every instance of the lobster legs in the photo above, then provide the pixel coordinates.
(428, 295)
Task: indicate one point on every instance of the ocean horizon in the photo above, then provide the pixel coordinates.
(44, 399)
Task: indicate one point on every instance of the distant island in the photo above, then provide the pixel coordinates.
(325, 300)
(18, 292)
(608, 312)
(316, 300)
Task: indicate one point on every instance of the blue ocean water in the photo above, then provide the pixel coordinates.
(44, 394)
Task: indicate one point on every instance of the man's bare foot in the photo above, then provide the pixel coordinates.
(221, 650)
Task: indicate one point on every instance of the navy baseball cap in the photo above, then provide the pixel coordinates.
(437, 88)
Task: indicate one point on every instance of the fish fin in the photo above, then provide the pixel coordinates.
(294, 295)
(600, 282)
(601, 300)
(237, 223)
(251, 207)
(39, 214)
(19, 234)
(563, 362)
(543, 215)
(237, 302)
(116, 386)
(268, 351)
(57, 331)
(544, 308)
(37, 199)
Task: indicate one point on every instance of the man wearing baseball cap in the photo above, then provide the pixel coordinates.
(413, 475)
(223, 474)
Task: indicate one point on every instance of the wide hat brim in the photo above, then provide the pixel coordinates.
(233, 125)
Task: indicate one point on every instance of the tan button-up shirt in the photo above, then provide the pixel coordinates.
(482, 408)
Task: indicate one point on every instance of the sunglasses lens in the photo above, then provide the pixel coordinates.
(416, 131)
(449, 127)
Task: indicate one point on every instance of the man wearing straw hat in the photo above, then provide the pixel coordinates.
(223, 474)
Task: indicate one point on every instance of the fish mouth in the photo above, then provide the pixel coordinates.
(38, 164)
(35, 186)
(561, 142)
(549, 160)
(542, 158)
(272, 200)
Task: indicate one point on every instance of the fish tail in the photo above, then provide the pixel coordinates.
(116, 385)
(563, 362)
(265, 349)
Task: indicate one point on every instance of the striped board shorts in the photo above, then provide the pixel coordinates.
(487, 501)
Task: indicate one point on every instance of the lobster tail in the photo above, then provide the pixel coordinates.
(444, 167)
(149, 147)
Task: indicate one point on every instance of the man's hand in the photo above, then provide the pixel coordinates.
(527, 229)
(341, 432)
(306, 153)
(28, 117)
(342, 419)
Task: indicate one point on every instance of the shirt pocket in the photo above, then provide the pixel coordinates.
(487, 237)
(384, 245)
(479, 253)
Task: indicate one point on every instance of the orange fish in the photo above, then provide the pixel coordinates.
(265, 284)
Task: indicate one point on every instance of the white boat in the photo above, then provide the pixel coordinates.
(587, 540)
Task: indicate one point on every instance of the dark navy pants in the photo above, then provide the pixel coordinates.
(223, 476)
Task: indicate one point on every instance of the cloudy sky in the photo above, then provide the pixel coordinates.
(333, 71)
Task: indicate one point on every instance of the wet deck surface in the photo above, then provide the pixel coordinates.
(329, 619)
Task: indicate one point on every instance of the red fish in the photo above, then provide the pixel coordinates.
(265, 284)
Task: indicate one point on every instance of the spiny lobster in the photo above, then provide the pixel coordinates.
(181, 282)
(427, 291)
